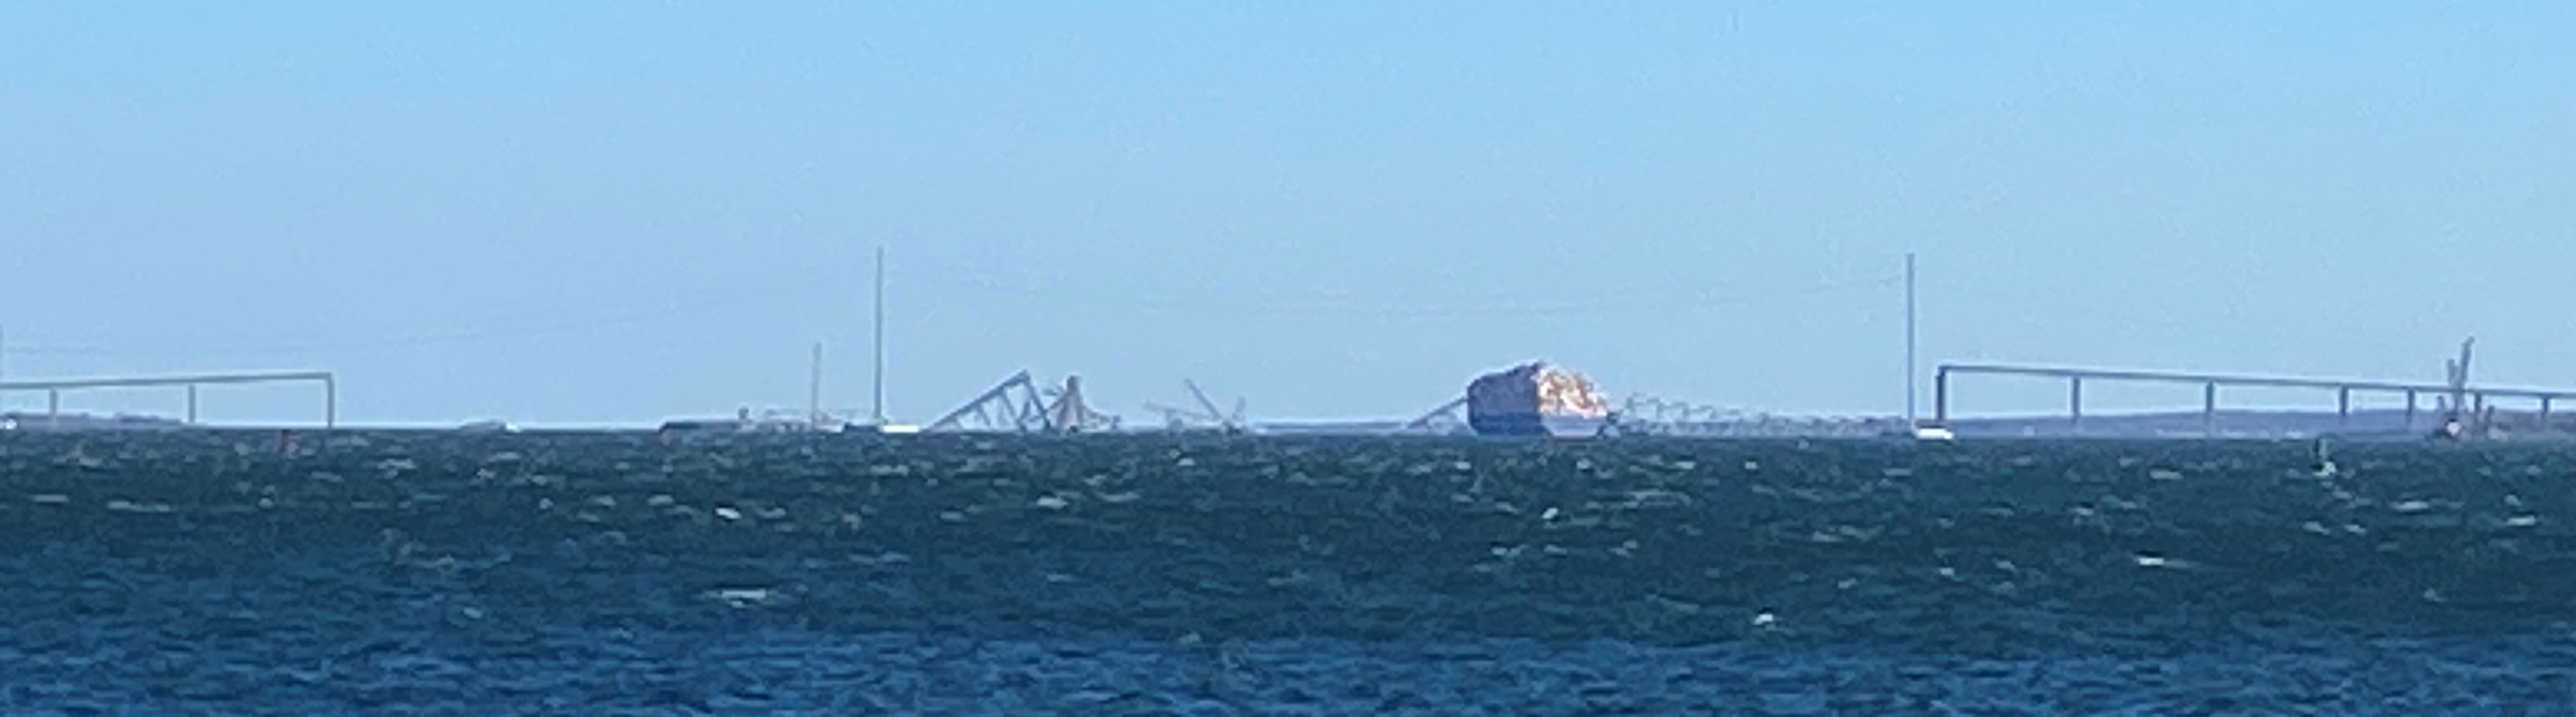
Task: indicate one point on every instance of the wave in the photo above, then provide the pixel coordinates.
(1963, 546)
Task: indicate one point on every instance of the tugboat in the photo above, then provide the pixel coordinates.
(1535, 399)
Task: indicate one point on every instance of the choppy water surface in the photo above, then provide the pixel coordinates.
(468, 574)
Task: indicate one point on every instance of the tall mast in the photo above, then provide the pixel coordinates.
(1909, 339)
(879, 329)
(814, 389)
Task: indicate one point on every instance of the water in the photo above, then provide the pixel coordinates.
(386, 573)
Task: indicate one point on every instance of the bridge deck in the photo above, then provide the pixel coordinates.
(54, 388)
(2474, 396)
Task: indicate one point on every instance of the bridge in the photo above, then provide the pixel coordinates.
(2471, 399)
(54, 388)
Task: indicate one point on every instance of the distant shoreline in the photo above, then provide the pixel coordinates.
(2242, 424)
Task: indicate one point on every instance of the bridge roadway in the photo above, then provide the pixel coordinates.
(54, 388)
(2475, 397)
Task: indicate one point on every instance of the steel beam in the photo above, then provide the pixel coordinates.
(163, 381)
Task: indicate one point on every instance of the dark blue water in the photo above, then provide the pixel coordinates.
(610, 574)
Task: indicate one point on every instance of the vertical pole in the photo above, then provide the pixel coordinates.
(330, 402)
(2410, 410)
(2544, 412)
(2209, 410)
(2075, 404)
(879, 337)
(1909, 340)
(1941, 397)
(814, 389)
(192, 404)
(54, 406)
(2343, 407)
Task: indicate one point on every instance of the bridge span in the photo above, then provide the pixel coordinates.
(2472, 401)
(54, 389)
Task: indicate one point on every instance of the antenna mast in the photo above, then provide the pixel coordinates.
(1909, 340)
(814, 389)
(879, 330)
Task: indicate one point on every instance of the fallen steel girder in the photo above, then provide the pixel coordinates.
(1017, 406)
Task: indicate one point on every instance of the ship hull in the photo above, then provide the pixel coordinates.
(1536, 425)
(1533, 399)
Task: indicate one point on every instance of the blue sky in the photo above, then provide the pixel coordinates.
(566, 213)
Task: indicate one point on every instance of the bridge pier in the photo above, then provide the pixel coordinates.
(2075, 405)
(2209, 410)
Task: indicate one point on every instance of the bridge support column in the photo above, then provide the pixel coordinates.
(2075, 405)
(1941, 397)
(192, 404)
(2209, 410)
(2410, 410)
(2343, 408)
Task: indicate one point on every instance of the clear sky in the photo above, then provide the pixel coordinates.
(617, 212)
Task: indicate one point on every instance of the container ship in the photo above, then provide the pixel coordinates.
(1535, 399)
